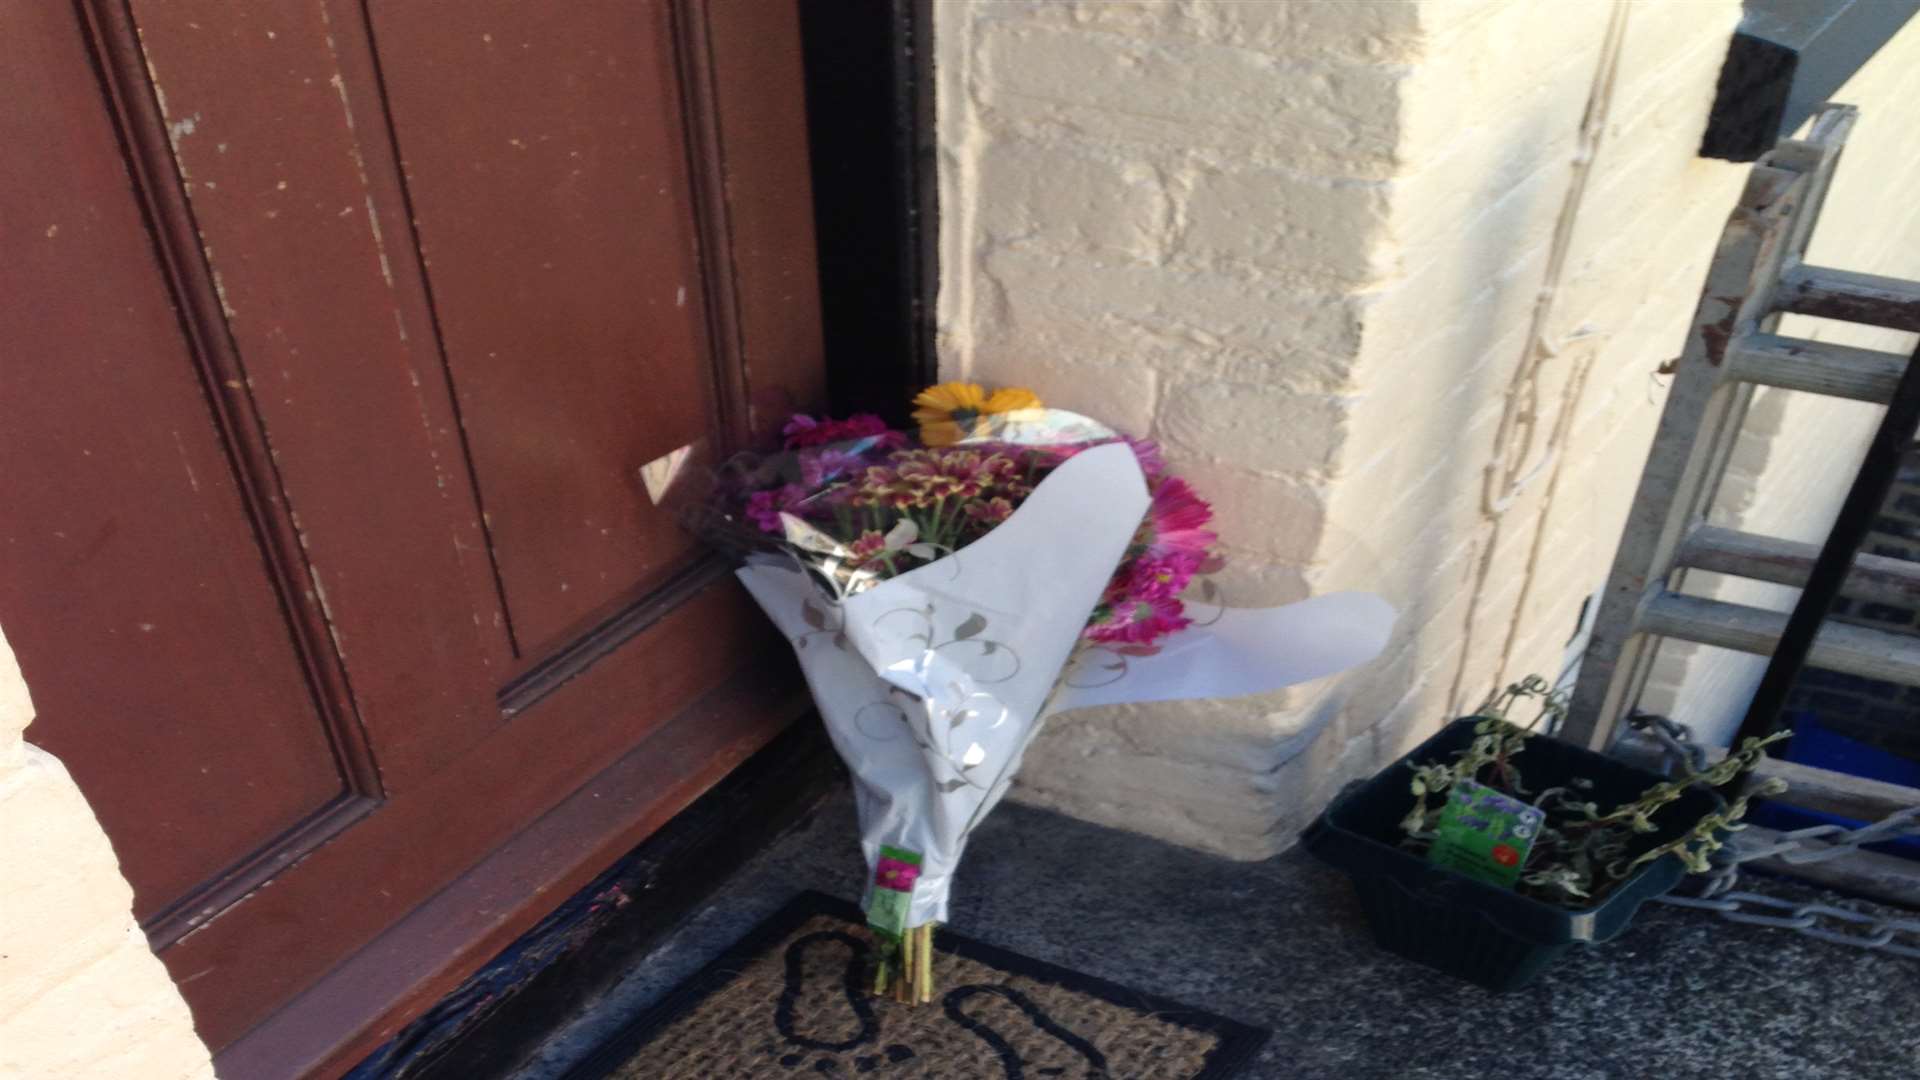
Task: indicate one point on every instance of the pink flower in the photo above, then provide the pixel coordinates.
(1152, 462)
(871, 543)
(802, 431)
(990, 511)
(1162, 577)
(799, 430)
(923, 478)
(1142, 601)
(1177, 520)
(820, 467)
(1136, 621)
(764, 507)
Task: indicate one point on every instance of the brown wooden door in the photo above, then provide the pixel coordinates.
(336, 336)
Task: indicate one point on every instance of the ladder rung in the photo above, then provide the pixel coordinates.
(1850, 297)
(1816, 367)
(1854, 650)
(1788, 562)
(1808, 786)
(1834, 792)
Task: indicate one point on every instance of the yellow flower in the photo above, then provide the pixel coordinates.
(947, 412)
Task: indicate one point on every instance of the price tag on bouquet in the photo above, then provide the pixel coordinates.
(1484, 834)
(893, 879)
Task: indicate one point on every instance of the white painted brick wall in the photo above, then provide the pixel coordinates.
(1302, 245)
(81, 995)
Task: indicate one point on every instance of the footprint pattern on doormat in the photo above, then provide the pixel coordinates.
(831, 1026)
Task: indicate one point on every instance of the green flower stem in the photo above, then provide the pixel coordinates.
(925, 982)
(933, 523)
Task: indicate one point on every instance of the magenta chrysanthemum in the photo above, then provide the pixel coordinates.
(1162, 577)
(1137, 621)
(764, 507)
(802, 431)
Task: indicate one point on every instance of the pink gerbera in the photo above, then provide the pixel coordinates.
(1177, 521)
(1152, 462)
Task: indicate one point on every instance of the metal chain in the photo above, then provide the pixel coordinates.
(1836, 840)
(1818, 843)
(1882, 933)
(1675, 739)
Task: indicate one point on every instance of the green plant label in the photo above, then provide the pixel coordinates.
(894, 875)
(1484, 834)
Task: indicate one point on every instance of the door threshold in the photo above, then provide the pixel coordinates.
(420, 968)
(502, 1014)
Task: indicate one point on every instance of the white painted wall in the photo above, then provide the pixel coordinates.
(1389, 299)
(81, 995)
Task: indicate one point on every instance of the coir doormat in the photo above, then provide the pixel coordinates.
(790, 1000)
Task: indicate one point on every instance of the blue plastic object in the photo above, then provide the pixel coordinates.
(1816, 744)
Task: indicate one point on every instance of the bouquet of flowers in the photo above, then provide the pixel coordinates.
(946, 592)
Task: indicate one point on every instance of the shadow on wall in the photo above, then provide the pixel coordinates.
(1447, 554)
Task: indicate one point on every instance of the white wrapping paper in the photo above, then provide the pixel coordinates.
(933, 683)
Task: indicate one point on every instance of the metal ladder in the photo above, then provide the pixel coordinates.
(1758, 274)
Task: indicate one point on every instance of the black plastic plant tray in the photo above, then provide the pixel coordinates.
(1488, 935)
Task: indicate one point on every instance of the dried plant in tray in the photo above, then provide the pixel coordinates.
(1583, 850)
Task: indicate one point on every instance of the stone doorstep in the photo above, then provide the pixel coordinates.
(1282, 944)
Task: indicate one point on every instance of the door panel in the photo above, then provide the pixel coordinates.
(547, 169)
(348, 891)
(328, 377)
(123, 517)
(273, 117)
